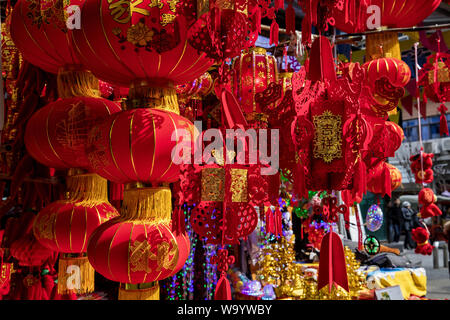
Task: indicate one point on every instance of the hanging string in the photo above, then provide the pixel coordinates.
(416, 45)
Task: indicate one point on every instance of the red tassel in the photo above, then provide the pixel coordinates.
(358, 224)
(443, 128)
(278, 222)
(269, 221)
(258, 19)
(290, 19)
(274, 29)
(223, 289)
(279, 4)
(178, 222)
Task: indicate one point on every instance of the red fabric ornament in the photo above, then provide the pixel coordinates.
(427, 199)
(394, 14)
(383, 179)
(274, 30)
(332, 267)
(422, 168)
(56, 135)
(151, 42)
(385, 80)
(290, 18)
(435, 77)
(39, 30)
(421, 236)
(136, 145)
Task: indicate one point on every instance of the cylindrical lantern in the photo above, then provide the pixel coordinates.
(66, 225)
(254, 71)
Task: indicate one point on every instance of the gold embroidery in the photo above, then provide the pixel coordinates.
(238, 185)
(140, 253)
(139, 34)
(156, 3)
(173, 5)
(122, 10)
(328, 136)
(213, 180)
(163, 255)
(45, 226)
(167, 18)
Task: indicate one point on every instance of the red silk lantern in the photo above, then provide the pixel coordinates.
(65, 226)
(39, 30)
(190, 96)
(254, 70)
(139, 242)
(385, 80)
(121, 41)
(135, 145)
(56, 134)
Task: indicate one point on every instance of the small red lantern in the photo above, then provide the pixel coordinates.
(385, 80)
(190, 96)
(383, 179)
(254, 70)
(56, 134)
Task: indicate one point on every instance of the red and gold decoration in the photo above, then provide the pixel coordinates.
(422, 167)
(383, 179)
(421, 236)
(190, 96)
(427, 200)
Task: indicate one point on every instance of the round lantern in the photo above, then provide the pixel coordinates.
(377, 179)
(137, 145)
(66, 225)
(190, 95)
(254, 71)
(121, 41)
(392, 14)
(139, 246)
(385, 80)
(56, 134)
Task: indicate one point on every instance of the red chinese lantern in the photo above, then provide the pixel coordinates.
(190, 96)
(254, 70)
(56, 134)
(127, 41)
(360, 16)
(66, 225)
(435, 77)
(383, 179)
(139, 246)
(385, 81)
(136, 145)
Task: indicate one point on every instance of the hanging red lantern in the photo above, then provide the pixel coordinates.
(140, 242)
(56, 134)
(137, 145)
(128, 41)
(385, 80)
(190, 96)
(435, 77)
(254, 71)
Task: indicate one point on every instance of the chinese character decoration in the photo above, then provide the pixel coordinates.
(329, 130)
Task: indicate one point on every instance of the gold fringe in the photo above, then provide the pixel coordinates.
(147, 204)
(145, 95)
(77, 83)
(388, 41)
(87, 189)
(138, 293)
(86, 274)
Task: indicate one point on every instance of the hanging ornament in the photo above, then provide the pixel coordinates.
(421, 236)
(372, 245)
(374, 218)
(422, 167)
(427, 199)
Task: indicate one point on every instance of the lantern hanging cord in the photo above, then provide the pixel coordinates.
(416, 45)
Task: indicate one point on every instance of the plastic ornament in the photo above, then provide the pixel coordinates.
(374, 218)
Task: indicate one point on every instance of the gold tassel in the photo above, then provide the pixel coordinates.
(73, 82)
(388, 41)
(142, 291)
(87, 190)
(337, 293)
(145, 95)
(75, 274)
(147, 204)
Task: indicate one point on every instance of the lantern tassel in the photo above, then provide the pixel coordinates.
(72, 281)
(136, 292)
(178, 222)
(278, 222)
(443, 126)
(269, 221)
(274, 29)
(77, 83)
(223, 289)
(290, 19)
(87, 190)
(149, 204)
(279, 4)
